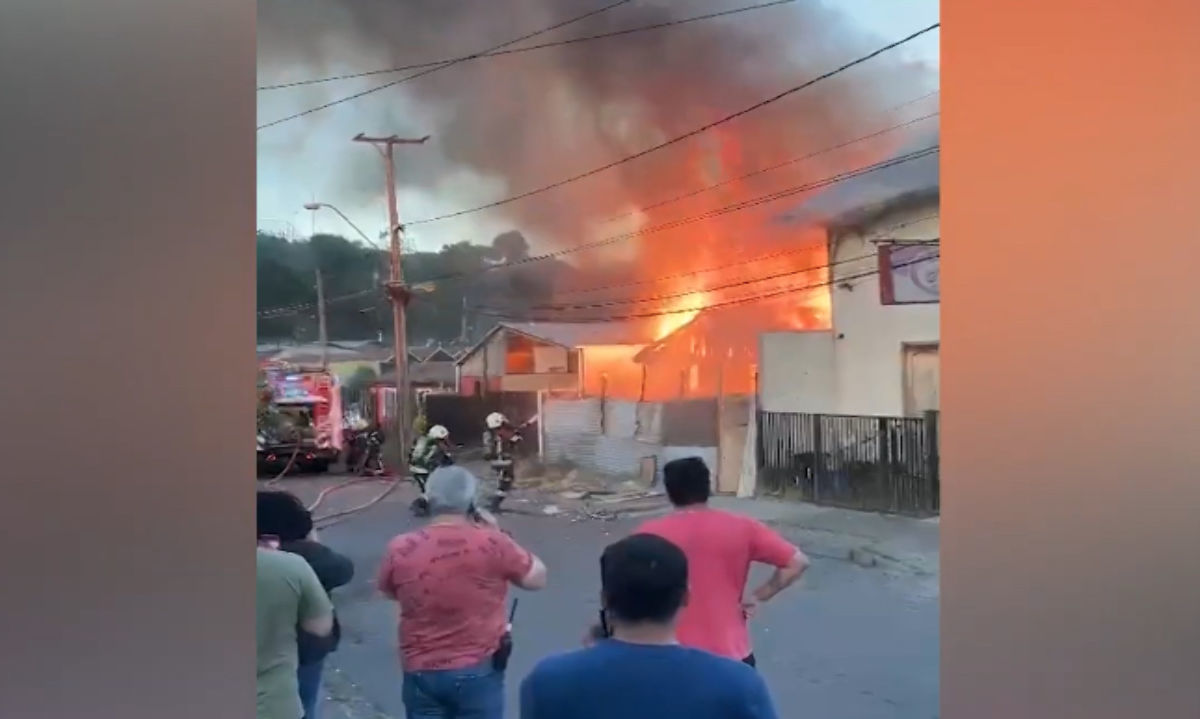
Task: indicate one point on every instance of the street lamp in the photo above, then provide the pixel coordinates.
(314, 206)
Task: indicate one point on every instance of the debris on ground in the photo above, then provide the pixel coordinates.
(344, 699)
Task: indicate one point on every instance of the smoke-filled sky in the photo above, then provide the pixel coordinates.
(504, 125)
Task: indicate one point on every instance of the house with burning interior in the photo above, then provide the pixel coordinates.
(563, 357)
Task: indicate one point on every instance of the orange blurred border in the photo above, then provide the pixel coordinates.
(1071, 332)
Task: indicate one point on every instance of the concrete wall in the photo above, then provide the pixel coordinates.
(858, 367)
(610, 437)
(869, 336)
(796, 372)
(536, 382)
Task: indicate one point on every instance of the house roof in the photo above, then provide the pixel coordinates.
(425, 373)
(311, 353)
(865, 197)
(573, 335)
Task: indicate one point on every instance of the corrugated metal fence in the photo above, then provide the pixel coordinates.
(884, 464)
(617, 437)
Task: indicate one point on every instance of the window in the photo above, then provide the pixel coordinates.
(518, 359)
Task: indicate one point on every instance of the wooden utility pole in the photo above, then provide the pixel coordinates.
(397, 291)
(322, 328)
(462, 335)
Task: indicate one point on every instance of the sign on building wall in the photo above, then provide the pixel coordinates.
(908, 274)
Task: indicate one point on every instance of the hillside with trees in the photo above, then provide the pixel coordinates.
(353, 274)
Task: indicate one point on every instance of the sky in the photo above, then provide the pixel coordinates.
(288, 180)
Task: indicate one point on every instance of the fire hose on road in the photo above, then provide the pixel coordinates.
(332, 518)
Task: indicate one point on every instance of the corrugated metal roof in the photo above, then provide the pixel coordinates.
(860, 197)
(312, 353)
(425, 373)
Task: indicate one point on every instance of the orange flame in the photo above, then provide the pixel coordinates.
(714, 286)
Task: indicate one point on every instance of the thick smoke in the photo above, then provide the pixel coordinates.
(522, 121)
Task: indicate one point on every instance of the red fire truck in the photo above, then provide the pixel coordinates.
(309, 403)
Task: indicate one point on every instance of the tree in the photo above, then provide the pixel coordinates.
(353, 275)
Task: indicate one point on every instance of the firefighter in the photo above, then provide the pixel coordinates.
(430, 451)
(499, 449)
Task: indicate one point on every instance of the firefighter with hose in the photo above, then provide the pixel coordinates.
(430, 451)
(500, 440)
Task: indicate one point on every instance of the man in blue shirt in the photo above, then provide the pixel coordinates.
(639, 670)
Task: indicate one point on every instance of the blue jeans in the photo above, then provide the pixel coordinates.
(310, 687)
(475, 692)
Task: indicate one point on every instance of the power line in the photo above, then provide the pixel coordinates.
(715, 305)
(528, 48)
(777, 166)
(716, 288)
(435, 68)
(680, 138)
(682, 222)
(689, 273)
(287, 310)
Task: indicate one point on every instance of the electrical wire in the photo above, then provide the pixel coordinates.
(715, 288)
(680, 138)
(779, 165)
(689, 273)
(715, 305)
(286, 310)
(291, 309)
(528, 48)
(434, 69)
(674, 224)
(684, 221)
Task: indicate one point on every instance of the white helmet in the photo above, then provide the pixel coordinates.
(495, 420)
(437, 431)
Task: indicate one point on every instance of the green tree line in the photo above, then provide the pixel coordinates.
(286, 274)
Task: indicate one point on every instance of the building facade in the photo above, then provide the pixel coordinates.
(881, 355)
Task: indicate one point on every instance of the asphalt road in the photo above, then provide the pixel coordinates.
(848, 642)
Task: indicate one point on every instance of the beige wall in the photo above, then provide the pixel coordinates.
(796, 372)
(870, 336)
(535, 382)
(859, 367)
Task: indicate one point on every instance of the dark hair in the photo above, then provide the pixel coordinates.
(282, 514)
(644, 578)
(687, 481)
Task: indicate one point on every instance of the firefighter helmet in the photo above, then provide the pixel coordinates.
(495, 420)
(437, 431)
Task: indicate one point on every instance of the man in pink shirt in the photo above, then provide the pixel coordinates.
(720, 547)
(451, 580)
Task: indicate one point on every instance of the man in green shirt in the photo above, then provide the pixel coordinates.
(288, 595)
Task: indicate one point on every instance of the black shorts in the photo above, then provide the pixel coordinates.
(750, 660)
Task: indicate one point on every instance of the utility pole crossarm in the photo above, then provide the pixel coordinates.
(391, 140)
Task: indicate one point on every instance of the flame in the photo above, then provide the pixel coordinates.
(678, 313)
(713, 286)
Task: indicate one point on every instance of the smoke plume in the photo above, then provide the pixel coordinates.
(512, 123)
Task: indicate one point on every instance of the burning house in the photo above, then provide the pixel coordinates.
(679, 265)
(582, 358)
